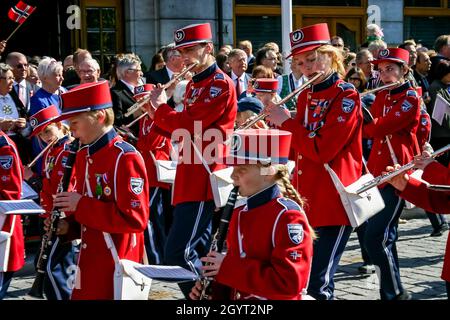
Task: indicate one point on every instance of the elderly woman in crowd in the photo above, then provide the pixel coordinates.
(89, 71)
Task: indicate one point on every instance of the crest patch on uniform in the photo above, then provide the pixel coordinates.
(424, 121)
(33, 122)
(411, 93)
(219, 76)
(406, 106)
(346, 86)
(348, 105)
(296, 233)
(214, 92)
(137, 185)
(6, 162)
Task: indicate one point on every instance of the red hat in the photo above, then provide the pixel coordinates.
(85, 97)
(42, 118)
(266, 85)
(142, 91)
(309, 38)
(251, 146)
(393, 54)
(192, 35)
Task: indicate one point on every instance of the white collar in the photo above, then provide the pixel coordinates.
(234, 76)
(169, 72)
(129, 86)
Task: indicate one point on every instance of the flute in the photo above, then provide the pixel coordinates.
(387, 86)
(388, 176)
(144, 100)
(42, 153)
(251, 121)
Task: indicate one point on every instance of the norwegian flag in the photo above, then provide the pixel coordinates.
(20, 12)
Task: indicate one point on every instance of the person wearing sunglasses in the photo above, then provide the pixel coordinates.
(23, 88)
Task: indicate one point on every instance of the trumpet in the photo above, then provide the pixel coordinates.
(388, 176)
(51, 144)
(144, 100)
(387, 86)
(251, 121)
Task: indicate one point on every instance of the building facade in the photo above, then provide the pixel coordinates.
(106, 27)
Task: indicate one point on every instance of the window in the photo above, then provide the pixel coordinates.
(259, 30)
(343, 3)
(431, 28)
(422, 3)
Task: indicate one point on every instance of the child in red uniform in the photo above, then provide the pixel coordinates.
(270, 241)
(112, 191)
(11, 172)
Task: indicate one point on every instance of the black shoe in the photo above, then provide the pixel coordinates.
(367, 269)
(440, 230)
(405, 295)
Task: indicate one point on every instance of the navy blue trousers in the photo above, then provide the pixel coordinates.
(189, 238)
(61, 270)
(328, 249)
(361, 232)
(5, 280)
(380, 240)
(447, 284)
(437, 220)
(155, 235)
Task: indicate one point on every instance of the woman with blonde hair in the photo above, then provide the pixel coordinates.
(326, 136)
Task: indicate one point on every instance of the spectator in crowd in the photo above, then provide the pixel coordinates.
(376, 46)
(174, 65)
(223, 63)
(350, 61)
(373, 32)
(442, 48)
(68, 63)
(23, 88)
(247, 46)
(268, 58)
(225, 49)
(364, 61)
(274, 46)
(33, 78)
(13, 113)
(289, 82)
(73, 78)
(338, 42)
(410, 46)
(157, 62)
(129, 74)
(421, 69)
(238, 64)
(356, 77)
(89, 71)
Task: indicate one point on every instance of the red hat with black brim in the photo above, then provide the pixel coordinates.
(252, 146)
(142, 91)
(309, 38)
(268, 85)
(84, 98)
(398, 55)
(192, 35)
(41, 119)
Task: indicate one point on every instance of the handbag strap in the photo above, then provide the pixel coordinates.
(108, 239)
(198, 153)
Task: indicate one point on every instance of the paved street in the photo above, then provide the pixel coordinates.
(421, 258)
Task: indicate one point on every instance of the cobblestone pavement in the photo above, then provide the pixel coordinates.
(420, 255)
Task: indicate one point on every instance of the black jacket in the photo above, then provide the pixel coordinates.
(122, 99)
(158, 76)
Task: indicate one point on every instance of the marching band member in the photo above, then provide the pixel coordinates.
(269, 240)
(11, 172)
(327, 129)
(396, 115)
(112, 193)
(154, 146)
(210, 104)
(421, 195)
(248, 107)
(63, 255)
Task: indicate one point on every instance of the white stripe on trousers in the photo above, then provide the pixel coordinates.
(389, 255)
(188, 245)
(151, 233)
(330, 263)
(49, 271)
(1, 281)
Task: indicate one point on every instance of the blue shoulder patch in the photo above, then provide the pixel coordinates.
(411, 93)
(219, 76)
(3, 141)
(289, 204)
(346, 86)
(124, 146)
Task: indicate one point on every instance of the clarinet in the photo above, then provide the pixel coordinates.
(219, 238)
(37, 290)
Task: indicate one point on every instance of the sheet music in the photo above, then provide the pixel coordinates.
(167, 273)
(20, 207)
(28, 192)
(441, 108)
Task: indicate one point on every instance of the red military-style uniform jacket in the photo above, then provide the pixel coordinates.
(151, 141)
(210, 103)
(424, 129)
(331, 134)
(396, 115)
(269, 249)
(53, 166)
(430, 200)
(118, 180)
(11, 173)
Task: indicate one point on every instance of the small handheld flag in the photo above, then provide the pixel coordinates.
(20, 13)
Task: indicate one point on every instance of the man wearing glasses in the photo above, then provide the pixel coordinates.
(174, 65)
(23, 88)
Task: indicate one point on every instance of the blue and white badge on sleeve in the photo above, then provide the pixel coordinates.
(296, 233)
(348, 105)
(406, 106)
(6, 162)
(214, 92)
(137, 185)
